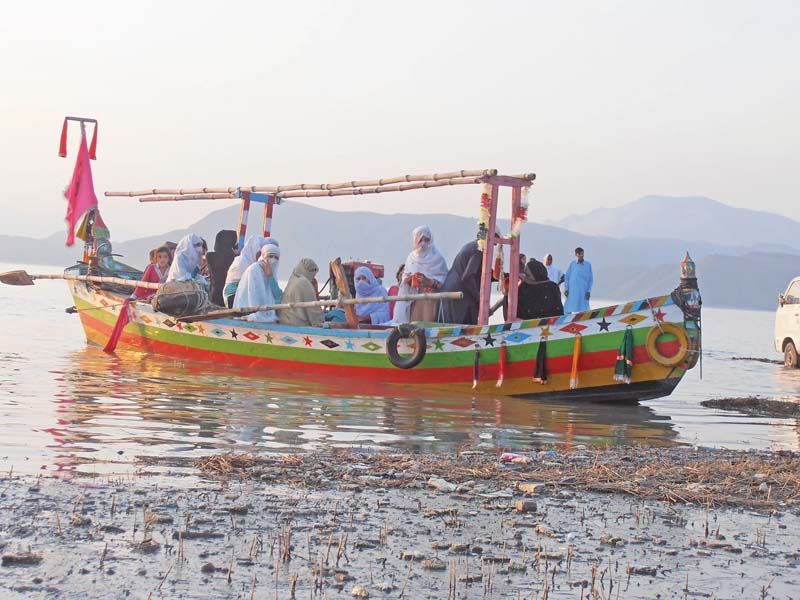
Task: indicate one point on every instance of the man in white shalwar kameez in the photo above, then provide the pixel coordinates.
(578, 284)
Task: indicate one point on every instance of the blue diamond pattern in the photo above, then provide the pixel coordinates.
(288, 340)
(218, 332)
(516, 338)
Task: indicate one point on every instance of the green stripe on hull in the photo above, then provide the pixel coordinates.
(433, 360)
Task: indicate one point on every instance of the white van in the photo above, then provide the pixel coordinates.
(787, 323)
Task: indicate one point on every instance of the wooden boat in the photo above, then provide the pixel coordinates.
(582, 350)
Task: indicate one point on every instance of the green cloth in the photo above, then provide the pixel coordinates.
(624, 364)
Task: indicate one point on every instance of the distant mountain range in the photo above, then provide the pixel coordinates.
(732, 273)
(690, 218)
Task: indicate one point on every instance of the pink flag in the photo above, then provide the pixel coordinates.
(80, 193)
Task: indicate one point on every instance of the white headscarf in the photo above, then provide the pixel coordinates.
(254, 288)
(187, 258)
(428, 260)
(247, 257)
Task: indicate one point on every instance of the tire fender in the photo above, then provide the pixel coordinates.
(406, 331)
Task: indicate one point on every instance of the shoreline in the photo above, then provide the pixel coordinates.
(633, 521)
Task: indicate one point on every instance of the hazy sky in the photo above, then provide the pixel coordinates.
(605, 101)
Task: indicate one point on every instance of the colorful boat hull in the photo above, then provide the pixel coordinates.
(281, 352)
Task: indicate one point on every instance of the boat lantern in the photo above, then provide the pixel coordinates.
(688, 268)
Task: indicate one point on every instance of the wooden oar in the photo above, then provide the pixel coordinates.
(240, 312)
(24, 278)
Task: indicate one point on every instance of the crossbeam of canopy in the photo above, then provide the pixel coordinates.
(312, 190)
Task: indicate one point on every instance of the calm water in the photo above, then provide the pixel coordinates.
(65, 406)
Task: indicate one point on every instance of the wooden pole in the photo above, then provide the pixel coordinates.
(238, 312)
(174, 192)
(381, 189)
(266, 225)
(244, 211)
(488, 255)
(23, 278)
(307, 186)
(513, 269)
(322, 193)
(188, 197)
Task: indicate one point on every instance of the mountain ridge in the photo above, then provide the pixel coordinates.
(692, 218)
(631, 267)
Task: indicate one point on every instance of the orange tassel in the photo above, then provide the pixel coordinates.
(62, 148)
(93, 145)
(576, 352)
(502, 374)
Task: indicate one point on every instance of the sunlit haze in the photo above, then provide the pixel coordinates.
(605, 101)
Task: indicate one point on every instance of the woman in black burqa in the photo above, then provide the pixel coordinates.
(464, 276)
(225, 250)
(538, 297)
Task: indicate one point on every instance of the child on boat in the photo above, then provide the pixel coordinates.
(259, 285)
(156, 272)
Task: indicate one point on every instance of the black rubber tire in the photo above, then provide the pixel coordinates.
(790, 356)
(406, 332)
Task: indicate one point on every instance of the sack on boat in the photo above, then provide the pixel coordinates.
(179, 298)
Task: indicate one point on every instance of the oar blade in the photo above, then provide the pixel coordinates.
(16, 278)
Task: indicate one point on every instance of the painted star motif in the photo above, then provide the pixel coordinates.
(268, 338)
(179, 325)
(307, 340)
(438, 344)
(659, 316)
(546, 333)
(489, 340)
(604, 324)
(234, 335)
(201, 329)
(349, 345)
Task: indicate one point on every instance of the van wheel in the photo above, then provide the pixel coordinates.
(790, 355)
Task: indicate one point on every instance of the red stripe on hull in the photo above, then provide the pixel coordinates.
(443, 375)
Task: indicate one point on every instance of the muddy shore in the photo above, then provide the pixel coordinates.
(580, 523)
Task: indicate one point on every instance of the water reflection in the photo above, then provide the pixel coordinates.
(136, 404)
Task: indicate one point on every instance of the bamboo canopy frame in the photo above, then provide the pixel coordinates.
(271, 195)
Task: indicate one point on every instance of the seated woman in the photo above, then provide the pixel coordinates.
(367, 286)
(259, 285)
(219, 261)
(464, 276)
(425, 271)
(300, 288)
(186, 264)
(249, 255)
(538, 297)
(156, 272)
